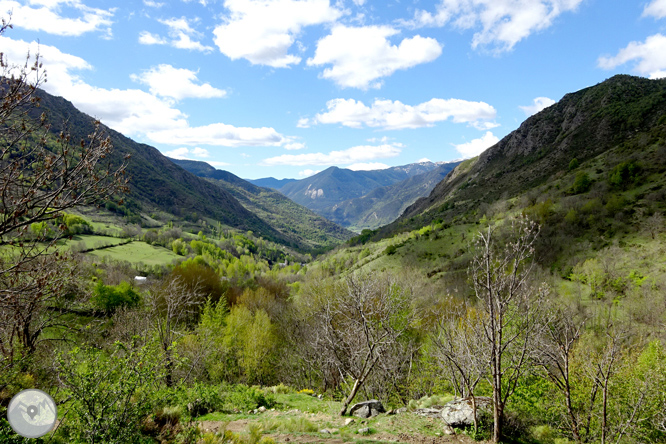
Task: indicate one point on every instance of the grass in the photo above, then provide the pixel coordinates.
(138, 252)
(92, 241)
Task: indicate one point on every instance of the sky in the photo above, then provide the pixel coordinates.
(287, 88)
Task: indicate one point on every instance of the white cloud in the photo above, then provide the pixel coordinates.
(352, 155)
(147, 38)
(294, 146)
(178, 153)
(477, 146)
(219, 134)
(359, 2)
(423, 160)
(263, 31)
(181, 33)
(153, 4)
(186, 153)
(389, 114)
(48, 17)
(656, 8)
(360, 56)
(368, 166)
(650, 57)
(177, 83)
(200, 152)
(129, 111)
(308, 173)
(132, 111)
(538, 104)
(303, 122)
(502, 23)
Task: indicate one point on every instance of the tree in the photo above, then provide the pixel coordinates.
(510, 307)
(41, 175)
(357, 324)
(171, 304)
(557, 343)
(460, 344)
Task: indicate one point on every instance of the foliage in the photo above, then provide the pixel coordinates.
(110, 298)
(110, 392)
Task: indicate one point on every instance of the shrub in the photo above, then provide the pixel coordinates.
(581, 184)
(110, 298)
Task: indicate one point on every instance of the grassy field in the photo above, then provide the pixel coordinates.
(301, 418)
(138, 252)
(88, 241)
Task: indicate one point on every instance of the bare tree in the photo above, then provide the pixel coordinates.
(358, 324)
(461, 345)
(171, 305)
(41, 175)
(511, 306)
(558, 340)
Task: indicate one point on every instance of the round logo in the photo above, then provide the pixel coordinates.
(32, 413)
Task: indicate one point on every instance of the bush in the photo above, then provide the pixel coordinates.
(109, 298)
(581, 184)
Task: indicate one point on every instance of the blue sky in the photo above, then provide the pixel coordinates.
(286, 88)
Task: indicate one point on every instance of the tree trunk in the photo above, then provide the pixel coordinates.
(476, 421)
(498, 419)
(350, 398)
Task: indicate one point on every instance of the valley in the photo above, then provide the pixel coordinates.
(531, 276)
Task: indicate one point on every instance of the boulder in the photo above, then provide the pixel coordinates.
(367, 409)
(459, 413)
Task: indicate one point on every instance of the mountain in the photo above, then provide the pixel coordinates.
(271, 182)
(334, 185)
(159, 184)
(619, 120)
(292, 220)
(383, 205)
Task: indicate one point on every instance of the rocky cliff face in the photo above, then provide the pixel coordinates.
(581, 125)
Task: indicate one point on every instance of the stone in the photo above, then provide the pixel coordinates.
(325, 431)
(262, 409)
(431, 412)
(459, 413)
(448, 430)
(367, 409)
(349, 421)
(364, 431)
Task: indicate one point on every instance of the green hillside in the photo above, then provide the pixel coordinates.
(291, 219)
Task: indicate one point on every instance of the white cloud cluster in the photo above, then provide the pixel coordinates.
(177, 83)
(389, 114)
(219, 134)
(49, 16)
(477, 146)
(263, 31)
(650, 57)
(502, 23)
(354, 155)
(368, 166)
(308, 173)
(656, 9)
(538, 104)
(185, 153)
(360, 56)
(132, 111)
(181, 35)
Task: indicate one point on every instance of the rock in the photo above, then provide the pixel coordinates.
(367, 409)
(448, 430)
(364, 431)
(325, 431)
(320, 396)
(401, 410)
(349, 421)
(431, 412)
(262, 409)
(458, 413)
